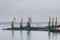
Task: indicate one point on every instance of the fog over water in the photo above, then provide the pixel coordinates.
(38, 10)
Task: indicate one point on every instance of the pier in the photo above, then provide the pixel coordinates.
(51, 28)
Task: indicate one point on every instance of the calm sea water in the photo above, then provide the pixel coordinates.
(26, 35)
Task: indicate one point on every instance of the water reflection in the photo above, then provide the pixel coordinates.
(49, 35)
(21, 35)
(12, 34)
(52, 36)
(28, 35)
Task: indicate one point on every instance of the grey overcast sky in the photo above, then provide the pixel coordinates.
(38, 10)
